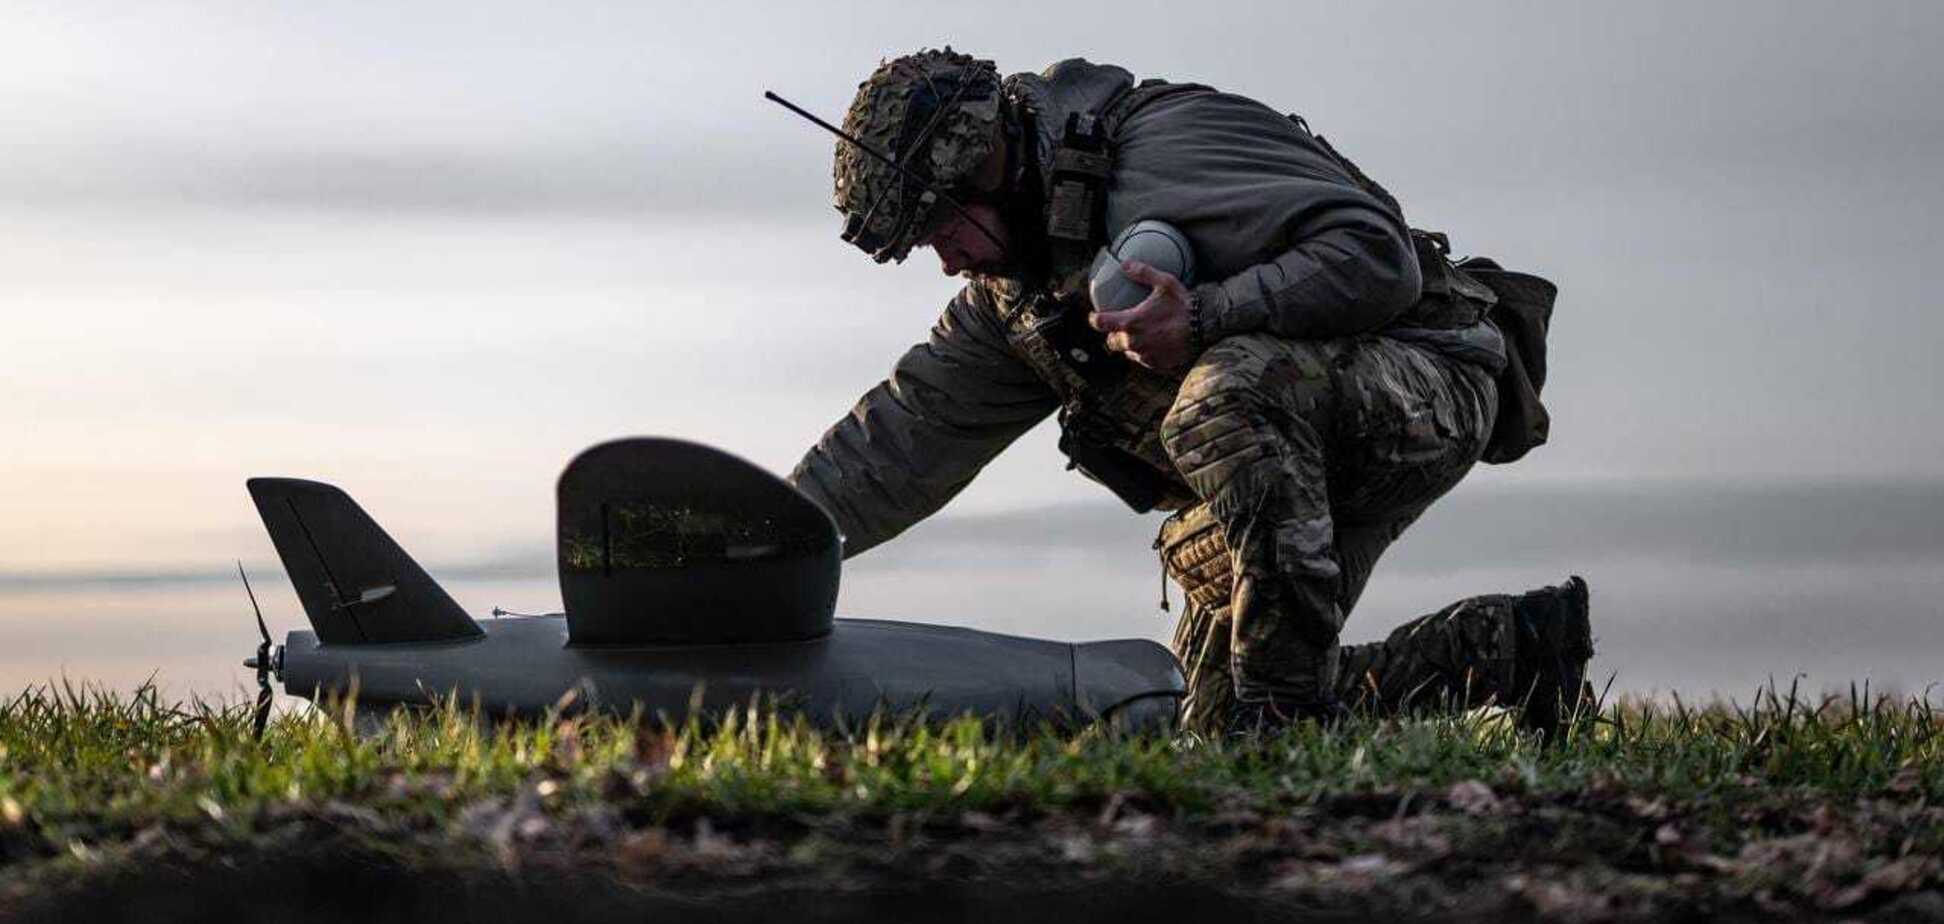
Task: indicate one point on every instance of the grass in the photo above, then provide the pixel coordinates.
(1653, 788)
(79, 754)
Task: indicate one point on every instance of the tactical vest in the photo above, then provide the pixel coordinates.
(1110, 408)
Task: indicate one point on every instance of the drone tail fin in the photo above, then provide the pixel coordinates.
(357, 585)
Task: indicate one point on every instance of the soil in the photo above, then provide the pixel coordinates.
(1469, 854)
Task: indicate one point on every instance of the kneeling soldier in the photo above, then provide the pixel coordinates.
(1324, 378)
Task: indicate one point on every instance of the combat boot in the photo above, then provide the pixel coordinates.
(1555, 640)
(1268, 718)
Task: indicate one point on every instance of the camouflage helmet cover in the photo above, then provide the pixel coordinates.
(933, 112)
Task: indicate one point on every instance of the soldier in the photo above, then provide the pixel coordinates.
(1325, 379)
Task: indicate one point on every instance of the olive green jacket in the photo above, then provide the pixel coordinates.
(1285, 240)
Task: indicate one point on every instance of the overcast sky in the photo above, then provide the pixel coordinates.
(430, 250)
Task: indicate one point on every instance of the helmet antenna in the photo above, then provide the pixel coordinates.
(891, 162)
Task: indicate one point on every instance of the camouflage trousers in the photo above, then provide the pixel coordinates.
(1310, 458)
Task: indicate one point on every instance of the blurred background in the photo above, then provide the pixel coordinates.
(429, 251)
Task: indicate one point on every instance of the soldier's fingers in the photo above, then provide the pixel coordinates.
(1119, 341)
(1111, 320)
(1173, 286)
(1156, 311)
(1146, 306)
(1145, 274)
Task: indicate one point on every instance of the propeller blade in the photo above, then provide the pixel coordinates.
(262, 717)
(262, 661)
(261, 628)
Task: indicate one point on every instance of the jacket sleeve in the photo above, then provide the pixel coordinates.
(917, 439)
(1287, 242)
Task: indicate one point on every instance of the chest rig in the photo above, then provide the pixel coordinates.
(1110, 408)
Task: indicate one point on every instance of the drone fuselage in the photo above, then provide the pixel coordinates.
(525, 666)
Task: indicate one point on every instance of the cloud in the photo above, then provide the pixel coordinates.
(604, 109)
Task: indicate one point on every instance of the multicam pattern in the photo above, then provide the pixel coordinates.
(1464, 654)
(1310, 458)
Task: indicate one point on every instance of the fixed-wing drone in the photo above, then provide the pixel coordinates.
(690, 579)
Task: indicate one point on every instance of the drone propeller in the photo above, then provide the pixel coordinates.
(263, 662)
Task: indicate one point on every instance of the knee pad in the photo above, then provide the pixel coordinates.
(1219, 425)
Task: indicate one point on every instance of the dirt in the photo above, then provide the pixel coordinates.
(1472, 853)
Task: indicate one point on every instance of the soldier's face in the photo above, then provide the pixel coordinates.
(963, 250)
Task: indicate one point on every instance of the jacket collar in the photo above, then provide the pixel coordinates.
(1073, 85)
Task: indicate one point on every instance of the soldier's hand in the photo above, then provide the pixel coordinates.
(1153, 333)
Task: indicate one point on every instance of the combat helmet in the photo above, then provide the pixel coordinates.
(933, 113)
